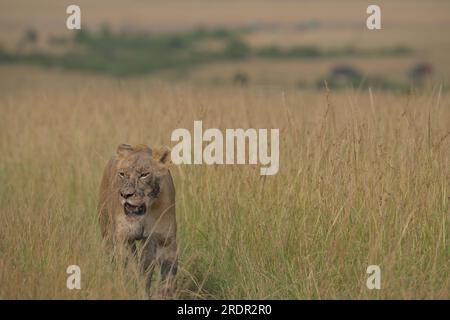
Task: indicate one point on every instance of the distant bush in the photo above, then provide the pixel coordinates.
(125, 53)
(236, 49)
(299, 52)
(270, 52)
(303, 52)
(5, 57)
(275, 52)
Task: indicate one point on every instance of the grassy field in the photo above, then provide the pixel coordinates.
(364, 179)
(364, 174)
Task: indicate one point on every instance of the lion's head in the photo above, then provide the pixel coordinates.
(139, 173)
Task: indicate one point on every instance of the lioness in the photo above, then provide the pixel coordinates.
(137, 203)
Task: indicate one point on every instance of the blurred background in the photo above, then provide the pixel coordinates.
(287, 43)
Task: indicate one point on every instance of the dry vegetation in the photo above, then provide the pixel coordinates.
(364, 177)
(363, 180)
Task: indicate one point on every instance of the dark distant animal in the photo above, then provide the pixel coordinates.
(240, 78)
(420, 72)
(345, 72)
(344, 75)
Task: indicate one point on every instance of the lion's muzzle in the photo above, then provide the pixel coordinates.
(131, 210)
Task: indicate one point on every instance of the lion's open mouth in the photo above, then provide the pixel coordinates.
(131, 210)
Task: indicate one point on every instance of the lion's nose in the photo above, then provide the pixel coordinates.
(127, 194)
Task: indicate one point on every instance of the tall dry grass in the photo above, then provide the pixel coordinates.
(364, 179)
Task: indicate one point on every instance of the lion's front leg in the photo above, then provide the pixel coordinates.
(168, 262)
(147, 262)
(122, 253)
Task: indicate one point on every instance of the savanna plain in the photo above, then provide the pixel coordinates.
(364, 173)
(363, 180)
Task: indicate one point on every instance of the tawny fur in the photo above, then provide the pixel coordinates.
(140, 176)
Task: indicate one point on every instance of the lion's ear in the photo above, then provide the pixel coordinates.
(123, 149)
(162, 155)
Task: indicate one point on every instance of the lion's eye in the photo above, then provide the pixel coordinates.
(121, 174)
(144, 175)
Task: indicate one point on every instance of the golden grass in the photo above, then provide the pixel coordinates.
(362, 181)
